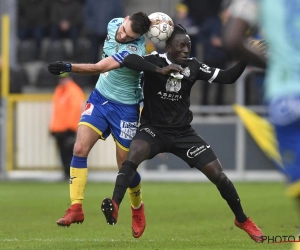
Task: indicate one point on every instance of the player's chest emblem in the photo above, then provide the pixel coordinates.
(173, 85)
(186, 72)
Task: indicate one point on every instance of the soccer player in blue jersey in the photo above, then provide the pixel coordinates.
(112, 108)
(279, 21)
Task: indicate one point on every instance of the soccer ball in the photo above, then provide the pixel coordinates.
(161, 27)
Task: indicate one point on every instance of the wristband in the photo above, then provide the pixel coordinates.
(68, 67)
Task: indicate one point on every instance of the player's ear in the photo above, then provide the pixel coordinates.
(168, 48)
(126, 18)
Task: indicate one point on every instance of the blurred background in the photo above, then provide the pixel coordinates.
(36, 32)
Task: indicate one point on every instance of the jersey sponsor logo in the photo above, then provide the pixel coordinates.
(173, 85)
(205, 68)
(149, 131)
(169, 96)
(128, 129)
(186, 72)
(88, 109)
(195, 151)
(132, 48)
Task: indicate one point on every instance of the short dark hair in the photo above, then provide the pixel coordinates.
(140, 22)
(178, 29)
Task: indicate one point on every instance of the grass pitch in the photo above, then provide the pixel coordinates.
(179, 216)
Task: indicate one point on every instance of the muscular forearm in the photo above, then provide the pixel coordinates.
(86, 68)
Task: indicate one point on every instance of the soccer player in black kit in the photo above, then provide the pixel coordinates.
(166, 123)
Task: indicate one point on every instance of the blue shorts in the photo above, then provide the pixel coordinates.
(108, 117)
(285, 116)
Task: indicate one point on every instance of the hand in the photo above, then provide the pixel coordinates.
(59, 67)
(260, 45)
(172, 68)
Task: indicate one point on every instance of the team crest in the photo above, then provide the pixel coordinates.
(173, 85)
(186, 72)
(132, 48)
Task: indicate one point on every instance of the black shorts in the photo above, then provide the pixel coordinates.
(186, 144)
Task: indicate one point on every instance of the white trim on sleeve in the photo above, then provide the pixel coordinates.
(214, 75)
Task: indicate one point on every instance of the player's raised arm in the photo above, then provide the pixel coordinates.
(231, 75)
(138, 63)
(106, 64)
(243, 16)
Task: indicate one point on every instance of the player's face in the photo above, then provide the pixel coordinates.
(180, 49)
(124, 33)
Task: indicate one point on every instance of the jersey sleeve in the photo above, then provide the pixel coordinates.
(207, 73)
(223, 76)
(136, 47)
(152, 58)
(247, 10)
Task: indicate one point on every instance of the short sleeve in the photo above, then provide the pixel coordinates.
(247, 10)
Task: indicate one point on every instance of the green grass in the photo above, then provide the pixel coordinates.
(179, 216)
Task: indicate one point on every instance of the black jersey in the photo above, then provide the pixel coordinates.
(167, 99)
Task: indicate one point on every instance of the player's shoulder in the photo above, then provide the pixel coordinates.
(198, 66)
(135, 47)
(153, 54)
(157, 58)
(116, 22)
(194, 62)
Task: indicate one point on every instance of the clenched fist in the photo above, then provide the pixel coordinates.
(59, 67)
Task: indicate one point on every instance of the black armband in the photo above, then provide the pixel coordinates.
(138, 63)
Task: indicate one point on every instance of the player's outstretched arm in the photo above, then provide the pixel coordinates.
(60, 67)
(235, 41)
(230, 75)
(138, 63)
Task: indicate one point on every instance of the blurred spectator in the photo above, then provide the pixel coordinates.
(33, 20)
(68, 102)
(214, 53)
(97, 14)
(66, 18)
(199, 10)
(182, 17)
